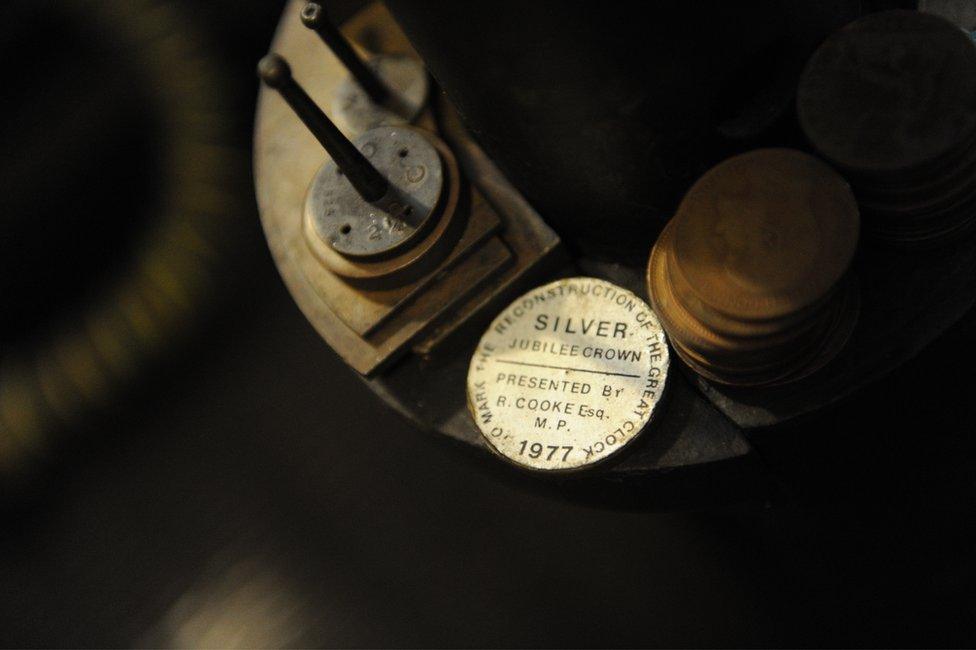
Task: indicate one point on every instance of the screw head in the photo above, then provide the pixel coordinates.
(312, 15)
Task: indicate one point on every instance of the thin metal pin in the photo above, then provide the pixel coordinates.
(314, 17)
(275, 72)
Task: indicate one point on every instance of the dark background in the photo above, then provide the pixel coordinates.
(250, 490)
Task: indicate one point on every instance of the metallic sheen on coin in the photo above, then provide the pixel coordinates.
(751, 279)
(766, 233)
(568, 375)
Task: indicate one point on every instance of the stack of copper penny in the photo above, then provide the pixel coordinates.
(890, 100)
(750, 277)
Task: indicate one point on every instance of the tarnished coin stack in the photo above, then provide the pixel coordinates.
(750, 277)
(891, 101)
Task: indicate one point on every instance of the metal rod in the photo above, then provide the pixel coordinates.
(314, 17)
(276, 73)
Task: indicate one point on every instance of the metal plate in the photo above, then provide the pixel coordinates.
(356, 228)
(405, 77)
(568, 375)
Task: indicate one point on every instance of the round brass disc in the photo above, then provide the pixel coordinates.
(711, 330)
(765, 234)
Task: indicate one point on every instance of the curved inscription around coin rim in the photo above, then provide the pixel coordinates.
(568, 375)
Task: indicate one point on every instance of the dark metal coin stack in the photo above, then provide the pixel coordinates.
(750, 277)
(890, 100)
